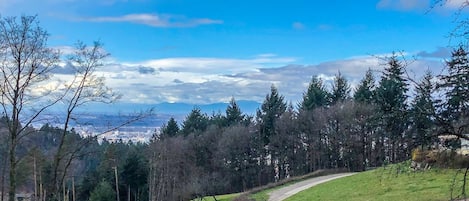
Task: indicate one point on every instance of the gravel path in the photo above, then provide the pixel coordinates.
(287, 191)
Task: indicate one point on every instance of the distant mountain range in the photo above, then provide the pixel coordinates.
(247, 107)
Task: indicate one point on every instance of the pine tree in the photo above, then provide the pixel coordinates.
(423, 112)
(134, 172)
(233, 114)
(316, 96)
(170, 129)
(391, 101)
(195, 122)
(365, 90)
(456, 87)
(271, 110)
(340, 89)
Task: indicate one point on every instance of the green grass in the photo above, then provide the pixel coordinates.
(387, 184)
(263, 195)
(227, 197)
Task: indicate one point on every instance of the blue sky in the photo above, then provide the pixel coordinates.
(207, 51)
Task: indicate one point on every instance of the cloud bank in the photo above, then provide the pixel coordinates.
(213, 80)
(155, 20)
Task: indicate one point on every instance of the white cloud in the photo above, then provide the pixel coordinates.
(214, 65)
(405, 5)
(155, 20)
(65, 50)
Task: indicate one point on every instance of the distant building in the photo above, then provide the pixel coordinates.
(464, 143)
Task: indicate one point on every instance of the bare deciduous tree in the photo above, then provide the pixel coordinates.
(85, 87)
(25, 66)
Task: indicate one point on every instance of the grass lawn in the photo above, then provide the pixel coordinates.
(263, 195)
(388, 184)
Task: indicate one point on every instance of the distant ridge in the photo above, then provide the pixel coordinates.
(177, 109)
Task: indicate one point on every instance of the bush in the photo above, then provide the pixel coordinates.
(418, 155)
(439, 158)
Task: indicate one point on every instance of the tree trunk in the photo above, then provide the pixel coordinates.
(35, 179)
(128, 193)
(12, 190)
(73, 189)
(117, 183)
(4, 167)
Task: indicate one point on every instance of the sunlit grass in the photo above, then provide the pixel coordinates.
(396, 182)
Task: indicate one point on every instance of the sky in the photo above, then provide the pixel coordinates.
(207, 51)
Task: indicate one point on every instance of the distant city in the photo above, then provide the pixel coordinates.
(109, 121)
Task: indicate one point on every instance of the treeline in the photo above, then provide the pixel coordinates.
(382, 122)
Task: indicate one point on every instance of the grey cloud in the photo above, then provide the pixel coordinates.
(178, 81)
(138, 85)
(146, 70)
(440, 53)
(68, 69)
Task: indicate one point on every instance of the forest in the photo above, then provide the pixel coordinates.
(381, 121)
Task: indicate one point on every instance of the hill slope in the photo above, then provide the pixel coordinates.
(395, 182)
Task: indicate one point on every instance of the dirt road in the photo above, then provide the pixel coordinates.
(287, 191)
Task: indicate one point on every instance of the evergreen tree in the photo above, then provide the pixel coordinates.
(391, 93)
(217, 119)
(271, 110)
(423, 112)
(316, 96)
(365, 90)
(135, 173)
(391, 101)
(233, 114)
(456, 87)
(195, 122)
(170, 129)
(314, 99)
(103, 192)
(340, 89)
